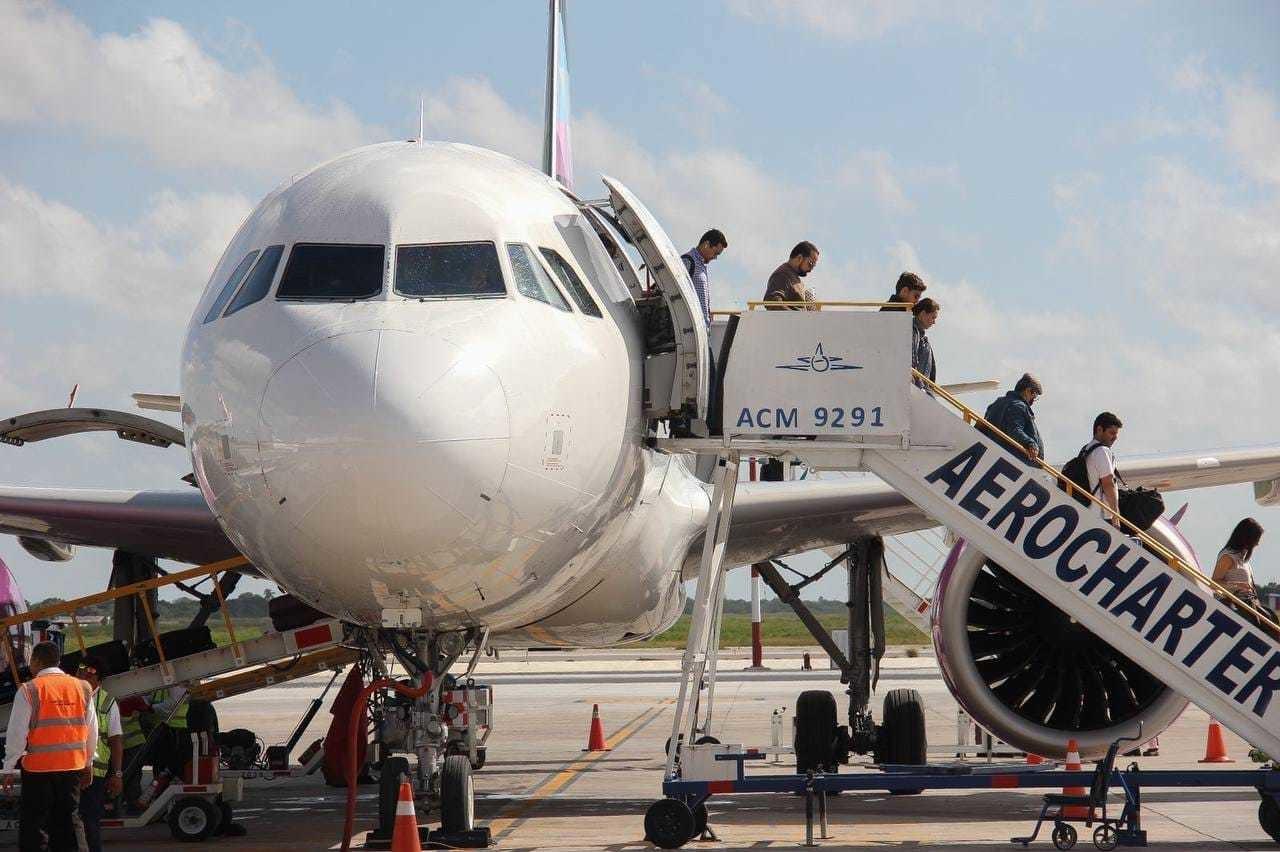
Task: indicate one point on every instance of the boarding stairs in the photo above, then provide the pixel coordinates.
(232, 669)
(1116, 581)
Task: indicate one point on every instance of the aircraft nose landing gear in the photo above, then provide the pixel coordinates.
(412, 717)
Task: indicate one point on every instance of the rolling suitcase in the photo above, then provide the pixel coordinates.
(177, 643)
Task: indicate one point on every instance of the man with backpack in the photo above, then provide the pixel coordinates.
(1094, 468)
(1012, 415)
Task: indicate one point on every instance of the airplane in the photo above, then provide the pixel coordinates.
(420, 393)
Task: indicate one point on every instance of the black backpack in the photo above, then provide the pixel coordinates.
(1139, 506)
(1077, 470)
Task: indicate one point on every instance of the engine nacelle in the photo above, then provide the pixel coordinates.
(1030, 674)
(47, 551)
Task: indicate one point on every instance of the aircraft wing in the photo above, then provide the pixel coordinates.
(774, 519)
(166, 524)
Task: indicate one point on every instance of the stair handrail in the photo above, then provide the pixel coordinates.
(140, 588)
(752, 304)
(1170, 558)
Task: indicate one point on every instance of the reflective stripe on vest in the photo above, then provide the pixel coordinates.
(60, 706)
(102, 703)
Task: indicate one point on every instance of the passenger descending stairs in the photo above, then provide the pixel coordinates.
(1155, 610)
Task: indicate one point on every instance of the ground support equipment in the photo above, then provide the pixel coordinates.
(667, 816)
(194, 812)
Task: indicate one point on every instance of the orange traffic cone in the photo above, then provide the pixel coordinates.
(1215, 748)
(595, 739)
(1073, 765)
(404, 837)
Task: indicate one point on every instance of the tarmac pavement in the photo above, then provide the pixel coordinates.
(539, 790)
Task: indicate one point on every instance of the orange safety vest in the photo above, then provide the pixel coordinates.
(60, 708)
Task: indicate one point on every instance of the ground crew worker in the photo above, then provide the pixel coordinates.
(172, 747)
(134, 739)
(108, 757)
(53, 732)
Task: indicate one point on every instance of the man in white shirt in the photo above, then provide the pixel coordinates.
(1100, 461)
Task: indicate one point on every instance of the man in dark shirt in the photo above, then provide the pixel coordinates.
(785, 284)
(925, 314)
(909, 289)
(1012, 415)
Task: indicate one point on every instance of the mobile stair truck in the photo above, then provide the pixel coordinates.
(835, 389)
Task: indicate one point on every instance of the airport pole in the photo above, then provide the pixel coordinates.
(757, 640)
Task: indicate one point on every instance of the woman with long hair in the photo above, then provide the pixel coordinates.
(1233, 570)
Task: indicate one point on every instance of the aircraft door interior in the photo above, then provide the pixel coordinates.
(677, 369)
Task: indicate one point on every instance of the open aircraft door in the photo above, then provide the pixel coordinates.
(688, 364)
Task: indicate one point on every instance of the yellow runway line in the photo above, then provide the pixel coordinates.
(504, 824)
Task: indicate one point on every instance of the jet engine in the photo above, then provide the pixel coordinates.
(1033, 676)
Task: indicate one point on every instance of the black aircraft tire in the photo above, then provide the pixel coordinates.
(902, 732)
(393, 771)
(457, 796)
(815, 731)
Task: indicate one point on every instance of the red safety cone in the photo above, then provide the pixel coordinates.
(404, 837)
(1034, 759)
(1215, 747)
(1073, 765)
(595, 739)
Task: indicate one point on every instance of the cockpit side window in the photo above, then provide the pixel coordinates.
(259, 280)
(531, 279)
(328, 272)
(233, 281)
(571, 282)
(449, 271)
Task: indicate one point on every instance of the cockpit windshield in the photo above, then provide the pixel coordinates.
(329, 272)
(449, 270)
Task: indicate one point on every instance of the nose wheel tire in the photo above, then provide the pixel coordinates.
(192, 819)
(457, 796)
(392, 772)
(669, 823)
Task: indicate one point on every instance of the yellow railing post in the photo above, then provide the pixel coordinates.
(75, 625)
(12, 655)
(155, 636)
(236, 650)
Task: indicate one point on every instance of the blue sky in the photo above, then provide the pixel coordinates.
(1092, 190)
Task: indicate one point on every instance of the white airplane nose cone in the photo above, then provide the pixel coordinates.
(386, 447)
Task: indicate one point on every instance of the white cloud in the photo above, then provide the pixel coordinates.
(858, 21)
(153, 268)
(1253, 130)
(158, 89)
(871, 173)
